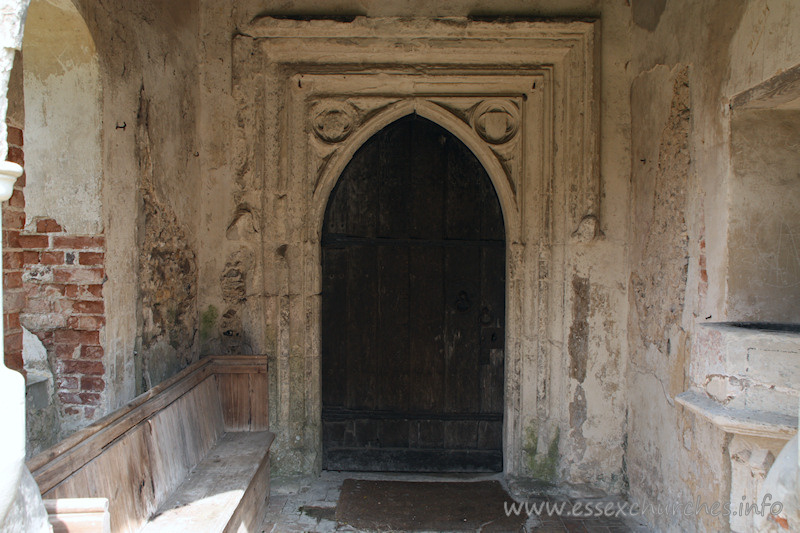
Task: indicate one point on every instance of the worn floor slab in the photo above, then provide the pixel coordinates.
(309, 505)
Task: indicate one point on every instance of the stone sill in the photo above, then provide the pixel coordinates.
(739, 421)
(34, 377)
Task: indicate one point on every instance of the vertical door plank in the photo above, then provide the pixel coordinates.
(394, 166)
(426, 183)
(393, 329)
(461, 330)
(427, 351)
(361, 192)
(362, 309)
(334, 326)
(463, 202)
(492, 317)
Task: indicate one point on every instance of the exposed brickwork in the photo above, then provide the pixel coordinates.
(13, 257)
(53, 286)
(63, 281)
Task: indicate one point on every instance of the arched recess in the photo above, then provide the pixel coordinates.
(63, 121)
(58, 112)
(63, 118)
(413, 307)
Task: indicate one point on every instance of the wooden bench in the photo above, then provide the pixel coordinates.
(192, 454)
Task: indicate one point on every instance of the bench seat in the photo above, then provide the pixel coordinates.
(214, 495)
(191, 454)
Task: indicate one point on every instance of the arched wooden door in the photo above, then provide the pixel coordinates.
(413, 308)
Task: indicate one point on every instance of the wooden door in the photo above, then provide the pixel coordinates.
(413, 308)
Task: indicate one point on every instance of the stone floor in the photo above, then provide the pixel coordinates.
(309, 505)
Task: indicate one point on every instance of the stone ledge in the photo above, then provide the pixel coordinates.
(739, 421)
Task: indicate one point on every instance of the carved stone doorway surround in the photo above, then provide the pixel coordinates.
(520, 95)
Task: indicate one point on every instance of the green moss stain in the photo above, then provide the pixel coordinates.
(207, 321)
(542, 466)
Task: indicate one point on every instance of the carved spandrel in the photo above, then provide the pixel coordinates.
(320, 154)
(509, 157)
(370, 106)
(332, 121)
(496, 121)
(458, 107)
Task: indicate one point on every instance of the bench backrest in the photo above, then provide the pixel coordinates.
(137, 455)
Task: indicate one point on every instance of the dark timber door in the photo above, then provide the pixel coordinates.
(413, 308)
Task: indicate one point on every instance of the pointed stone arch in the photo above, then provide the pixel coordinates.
(438, 115)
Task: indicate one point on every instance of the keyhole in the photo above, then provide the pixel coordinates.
(463, 304)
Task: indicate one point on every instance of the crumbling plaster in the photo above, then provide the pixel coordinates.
(148, 56)
(724, 48)
(111, 141)
(112, 146)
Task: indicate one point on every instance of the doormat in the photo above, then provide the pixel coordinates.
(426, 506)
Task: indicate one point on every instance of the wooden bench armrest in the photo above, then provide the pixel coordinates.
(78, 515)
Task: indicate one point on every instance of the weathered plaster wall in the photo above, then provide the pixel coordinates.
(245, 307)
(764, 45)
(113, 159)
(110, 132)
(148, 62)
(688, 59)
(167, 275)
(659, 437)
(62, 123)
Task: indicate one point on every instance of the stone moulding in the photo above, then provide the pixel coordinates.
(522, 96)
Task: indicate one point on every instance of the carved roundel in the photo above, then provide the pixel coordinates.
(333, 122)
(496, 121)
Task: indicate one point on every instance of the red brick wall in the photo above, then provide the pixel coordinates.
(63, 281)
(13, 291)
(53, 285)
